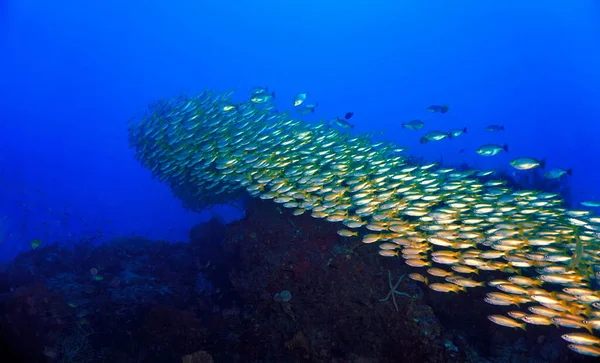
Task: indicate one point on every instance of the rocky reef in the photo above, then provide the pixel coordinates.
(271, 287)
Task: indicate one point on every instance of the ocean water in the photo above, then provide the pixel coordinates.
(73, 73)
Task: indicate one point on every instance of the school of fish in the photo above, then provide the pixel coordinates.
(459, 230)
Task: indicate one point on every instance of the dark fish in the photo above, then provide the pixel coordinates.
(494, 128)
(348, 115)
(305, 110)
(434, 136)
(556, 173)
(342, 123)
(413, 125)
(438, 108)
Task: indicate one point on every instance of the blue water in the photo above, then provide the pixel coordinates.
(72, 73)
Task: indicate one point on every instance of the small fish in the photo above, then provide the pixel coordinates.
(456, 132)
(491, 149)
(347, 233)
(413, 125)
(438, 272)
(591, 203)
(556, 173)
(538, 320)
(494, 128)
(348, 115)
(299, 99)
(416, 262)
(589, 350)
(35, 243)
(388, 253)
(342, 123)
(444, 287)
(438, 108)
(581, 338)
(526, 163)
(506, 321)
(418, 277)
(516, 314)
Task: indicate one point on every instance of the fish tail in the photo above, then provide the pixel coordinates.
(465, 130)
(569, 171)
(543, 163)
(505, 147)
(273, 94)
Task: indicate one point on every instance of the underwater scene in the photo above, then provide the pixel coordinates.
(319, 181)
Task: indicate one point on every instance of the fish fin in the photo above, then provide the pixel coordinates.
(523, 326)
(505, 147)
(573, 310)
(588, 311)
(543, 163)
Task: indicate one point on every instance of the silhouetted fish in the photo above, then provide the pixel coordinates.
(348, 115)
(438, 108)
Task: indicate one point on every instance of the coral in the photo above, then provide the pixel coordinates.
(172, 331)
(198, 357)
(299, 343)
(74, 346)
(203, 285)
